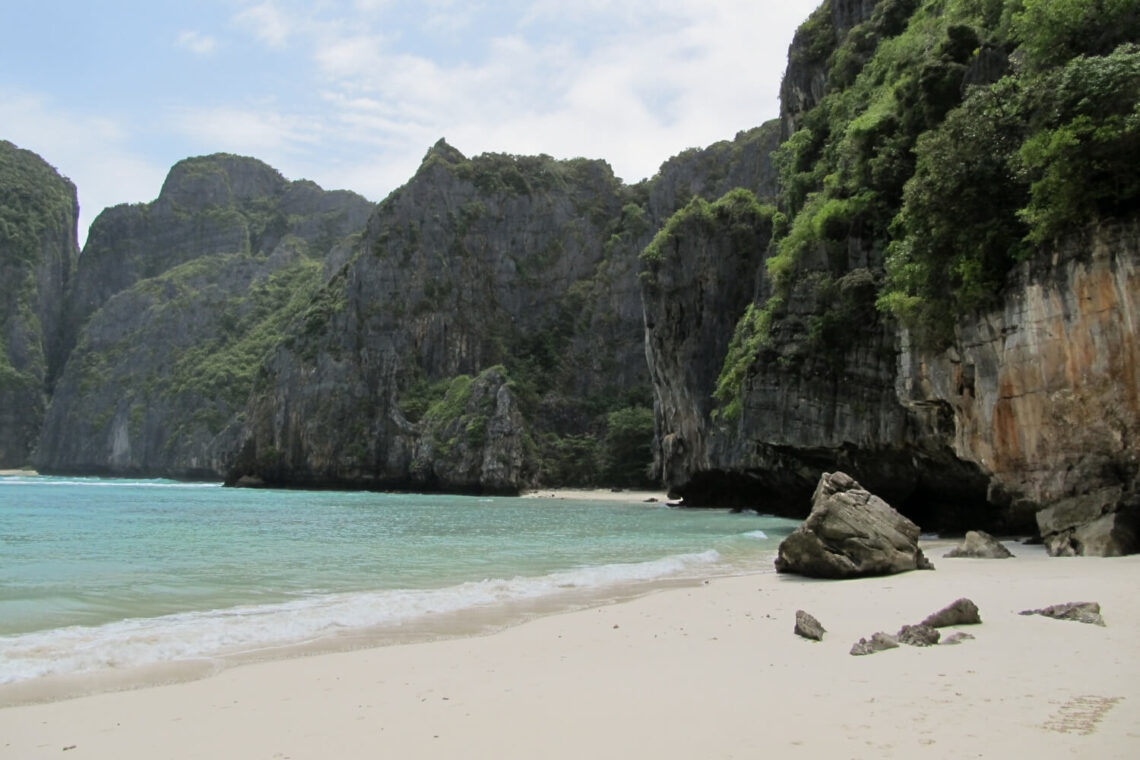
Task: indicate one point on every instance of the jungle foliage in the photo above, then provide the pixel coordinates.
(952, 140)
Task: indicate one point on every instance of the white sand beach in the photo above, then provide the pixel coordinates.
(707, 671)
(600, 494)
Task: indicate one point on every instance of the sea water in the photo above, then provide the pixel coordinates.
(102, 575)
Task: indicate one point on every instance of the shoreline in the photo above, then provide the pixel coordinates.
(467, 622)
(710, 669)
(641, 496)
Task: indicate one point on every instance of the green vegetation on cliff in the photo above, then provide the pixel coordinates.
(38, 210)
(37, 206)
(738, 224)
(1044, 151)
(950, 140)
(249, 324)
(738, 213)
(179, 352)
(33, 200)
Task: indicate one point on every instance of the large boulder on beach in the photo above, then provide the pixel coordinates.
(850, 533)
(980, 545)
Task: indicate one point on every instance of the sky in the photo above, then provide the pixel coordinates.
(352, 93)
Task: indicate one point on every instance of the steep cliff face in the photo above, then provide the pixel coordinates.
(743, 162)
(800, 410)
(196, 214)
(913, 180)
(698, 280)
(1045, 392)
(183, 297)
(810, 56)
(38, 213)
(497, 260)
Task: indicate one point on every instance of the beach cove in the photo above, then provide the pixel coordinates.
(710, 669)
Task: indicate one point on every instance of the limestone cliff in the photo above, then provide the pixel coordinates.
(38, 213)
(208, 205)
(1013, 407)
(1044, 392)
(175, 303)
(486, 292)
(710, 172)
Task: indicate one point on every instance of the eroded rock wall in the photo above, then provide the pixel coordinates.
(1045, 391)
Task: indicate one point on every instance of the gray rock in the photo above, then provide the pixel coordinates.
(1081, 612)
(918, 635)
(980, 545)
(808, 627)
(171, 309)
(961, 612)
(1104, 522)
(850, 533)
(879, 642)
(957, 638)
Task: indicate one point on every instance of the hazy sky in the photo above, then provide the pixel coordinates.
(351, 93)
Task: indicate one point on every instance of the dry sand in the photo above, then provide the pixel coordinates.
(708, 671)
(600, 494)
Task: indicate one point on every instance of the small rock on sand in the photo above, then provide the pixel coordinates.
(879, 642)
(961, 612)
(1081, 612)
(808, 627)
(918, 635)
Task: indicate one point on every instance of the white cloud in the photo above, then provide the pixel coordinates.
(199, 44)
(345, 57)
(371, 6)
(259, 129)
(627, 82)
(267, 23)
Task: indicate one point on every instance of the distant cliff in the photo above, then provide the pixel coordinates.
(472, 332)
(173, 305)
(38, 213)
(488, 333)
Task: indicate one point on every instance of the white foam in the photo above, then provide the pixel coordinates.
(196, 635)
(96, 483)
(755, 534)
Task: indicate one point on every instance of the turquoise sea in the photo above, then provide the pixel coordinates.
(100, 575)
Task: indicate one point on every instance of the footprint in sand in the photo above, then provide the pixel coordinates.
(1080, 715)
